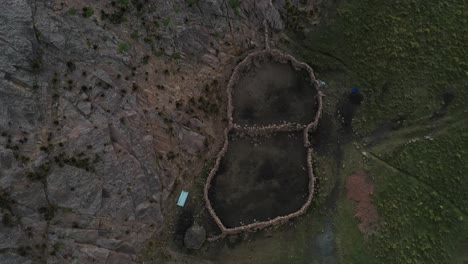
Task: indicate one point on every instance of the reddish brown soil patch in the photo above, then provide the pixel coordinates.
(360, 190)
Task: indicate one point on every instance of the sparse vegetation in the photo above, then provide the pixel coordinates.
(40, 173)
(123, 48)
(166, 21)
(134, 35)
(48, 212)
(191, 3)
(176, 56)
(6, 202)
(7, 220)
(71, 66)
(72, 11)
(36, 63)
(88, 11)
(24, 250)
(122, 3)
(145, 59)
(235, 5)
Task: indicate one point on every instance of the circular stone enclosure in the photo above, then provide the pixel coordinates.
(274, 96)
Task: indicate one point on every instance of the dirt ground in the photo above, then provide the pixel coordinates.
(273, 93)
(260, 179)
(360, 190)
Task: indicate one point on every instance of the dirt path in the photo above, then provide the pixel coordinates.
(360, 190)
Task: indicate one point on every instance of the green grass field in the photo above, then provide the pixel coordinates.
(404, 55)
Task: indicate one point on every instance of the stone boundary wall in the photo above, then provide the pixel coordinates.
(254, 131)
(243, 67)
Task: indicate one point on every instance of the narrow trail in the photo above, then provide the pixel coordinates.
(370, 154)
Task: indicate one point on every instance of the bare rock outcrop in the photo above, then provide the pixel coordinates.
(194, 237)
(101, 108)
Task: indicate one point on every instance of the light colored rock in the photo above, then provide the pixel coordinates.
(211, 60)
(196, 123)
(190, 140)
(90, 253)
(195, 236)
(111, 244)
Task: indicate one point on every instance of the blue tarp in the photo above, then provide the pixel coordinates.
(182, 198)
(355, 90)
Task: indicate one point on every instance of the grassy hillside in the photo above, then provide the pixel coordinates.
(410, 60)
(404, 55)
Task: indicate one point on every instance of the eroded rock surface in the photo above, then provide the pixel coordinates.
(102, 108)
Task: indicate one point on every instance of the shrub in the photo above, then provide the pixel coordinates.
(88, 11)
(5, 200)
(7, 220)
(36, 64)
(72, 11)
(134, 35)
(176, 56)
(48, 212)
(145, 59)
(191, 3)
(234, 4)
(123, 3)
(166, 21)
(123, 48)
(40, 174)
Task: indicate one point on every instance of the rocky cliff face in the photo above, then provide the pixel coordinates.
(104, 106)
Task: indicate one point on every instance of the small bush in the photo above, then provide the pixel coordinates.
(234, 4)
(123, 48)
(36, 64)
(191, 3)
(88, 11)
(134, 35)
(176, 56)
(5, 200)
(166, 21)
(72, 11)
(122, 3)
(145, 59)
(48, 212)
(40, 174)
(24, 250)
(7, 220)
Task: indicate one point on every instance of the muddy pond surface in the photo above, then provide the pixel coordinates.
(274, 92)
(260, 179)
